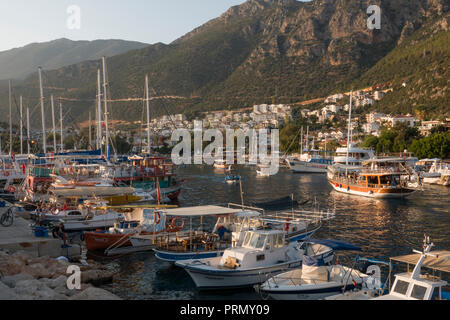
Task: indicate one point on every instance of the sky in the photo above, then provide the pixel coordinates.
(149, 21)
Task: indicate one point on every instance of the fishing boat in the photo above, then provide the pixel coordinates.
(191, 244)
(98, 217)
(138, 221)
(316, 279)
(411, 285)
(379, 178)
(264, 253)
(438, 172)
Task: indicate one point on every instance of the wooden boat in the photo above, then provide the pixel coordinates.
(384, 182)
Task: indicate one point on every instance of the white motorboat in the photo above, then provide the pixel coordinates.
(315, 279)
(311, 161)
(410, 286)
(263, 170)
(262, 255)
(96, 217)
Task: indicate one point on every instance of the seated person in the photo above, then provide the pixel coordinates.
(59, 233)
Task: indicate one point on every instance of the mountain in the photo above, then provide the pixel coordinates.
(262, 51)
(20, 62)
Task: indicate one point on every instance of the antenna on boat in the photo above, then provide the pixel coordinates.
(61, 126)
(99, 112)
(10, 120)
(53, 123)
(21, 124)
(242, 194)
(147, 96)
(427, 245)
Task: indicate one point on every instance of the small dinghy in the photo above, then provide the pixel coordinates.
(232, 179)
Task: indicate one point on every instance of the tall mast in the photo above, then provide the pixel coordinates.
(44, 143)
(61, 125)
(106, 106)
(148, 116)
(349, 125)
(301, 142)
(21, 124)
(10, 120)
(90, 129)
(99, 111)
(28, 131)
(53, 122)
(307, 138)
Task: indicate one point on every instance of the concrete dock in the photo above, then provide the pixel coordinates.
(20, 236)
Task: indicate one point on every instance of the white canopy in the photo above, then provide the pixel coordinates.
(201, 211)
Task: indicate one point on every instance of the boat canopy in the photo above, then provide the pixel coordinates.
(93, 191)
(336, 244)
(201, 211)
(440, 262)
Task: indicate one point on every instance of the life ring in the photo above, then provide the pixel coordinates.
(173, 225)
(154, 217)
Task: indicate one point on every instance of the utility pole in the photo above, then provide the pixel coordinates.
(53, 122)
(44, 143)
(149, 143)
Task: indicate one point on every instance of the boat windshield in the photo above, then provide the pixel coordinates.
(254, 240)
(401, 287)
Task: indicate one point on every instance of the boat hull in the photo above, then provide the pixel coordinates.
(180, 256)
(96, 241)
(371, 192)
(222, 278)
(88, 225)
(319, 292)
(306, 167)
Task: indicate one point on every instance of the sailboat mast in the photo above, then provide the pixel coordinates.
(44, 143)
(307, 138)
(301, 142)
(61, 125)
(21, 123)
(349, 125)
(106, 106)
(10, 120)
(28, 131)
(90, 134)
(99, 111)
(53, 123)
(149, 143)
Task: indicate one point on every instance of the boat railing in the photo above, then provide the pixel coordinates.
(231, 205)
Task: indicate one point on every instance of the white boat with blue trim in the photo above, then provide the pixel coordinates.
(264, 253)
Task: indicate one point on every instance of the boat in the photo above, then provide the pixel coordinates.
(98, 217)
(311, 161)
(221, 164)
(436, 173)
(315, 279)
(263, 254)
(263, 170)
(232, 178)
(379, 178)
(352, 155)
(411, 285)
(139, 221)
(190, 244)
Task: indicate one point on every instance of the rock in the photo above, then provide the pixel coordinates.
(96, 277)
(95, 294)
(36, 290)
(10, 265)
(11, 281)
(61, 281)
(25, 257)
(6, 293)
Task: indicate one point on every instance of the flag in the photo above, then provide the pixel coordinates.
(65, 205)
(23, 168)
(13, 156)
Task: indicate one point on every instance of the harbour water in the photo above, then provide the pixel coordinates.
(382, 228)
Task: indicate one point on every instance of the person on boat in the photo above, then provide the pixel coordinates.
(59, 233)
(37, 215)
(221, 231)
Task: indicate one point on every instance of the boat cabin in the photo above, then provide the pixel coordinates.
(407, 288)
(260, 247)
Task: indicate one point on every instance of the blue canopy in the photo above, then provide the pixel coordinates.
(312, 262)
(336, 244)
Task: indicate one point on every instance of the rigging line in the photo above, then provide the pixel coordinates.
(167, 111)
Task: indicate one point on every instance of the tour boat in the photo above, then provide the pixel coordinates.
(384, 182)
(311, 161)
(264, 253)
(315, 279)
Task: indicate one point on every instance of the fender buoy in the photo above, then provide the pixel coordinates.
(154, 217)
(173, 226)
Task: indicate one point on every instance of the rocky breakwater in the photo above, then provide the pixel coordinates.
(25, 277)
